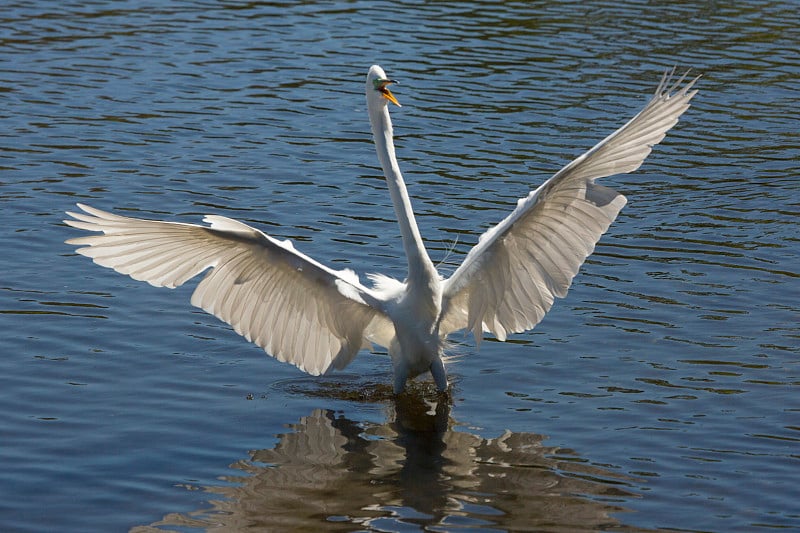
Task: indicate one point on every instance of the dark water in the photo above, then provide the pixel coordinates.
(662, 393)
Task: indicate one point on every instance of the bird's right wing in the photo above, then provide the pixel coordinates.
(509, 280)
(295, 308)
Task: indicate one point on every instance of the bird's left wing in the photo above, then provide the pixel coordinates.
(509, 280)
(295, 308)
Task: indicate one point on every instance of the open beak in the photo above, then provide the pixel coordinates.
(384, 90)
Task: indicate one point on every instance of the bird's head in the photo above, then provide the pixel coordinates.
(378, 86)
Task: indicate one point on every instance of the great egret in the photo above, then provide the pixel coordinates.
(317, 318)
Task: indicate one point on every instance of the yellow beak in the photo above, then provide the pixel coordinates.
(382, 86)
(389, 96)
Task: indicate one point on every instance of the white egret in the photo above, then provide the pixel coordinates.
(317, 318)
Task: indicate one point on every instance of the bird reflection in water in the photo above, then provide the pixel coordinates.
(419, 470)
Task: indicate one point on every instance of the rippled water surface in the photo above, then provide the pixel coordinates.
(662, 393)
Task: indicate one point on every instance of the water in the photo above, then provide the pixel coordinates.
(660, 394)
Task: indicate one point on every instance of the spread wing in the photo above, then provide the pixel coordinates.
(298, 310)
(509, 280)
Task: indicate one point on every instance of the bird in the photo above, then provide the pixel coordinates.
(318, 318)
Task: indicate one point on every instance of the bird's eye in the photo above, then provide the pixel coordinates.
(381, 83)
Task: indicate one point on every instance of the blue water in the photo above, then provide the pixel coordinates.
(662, 393)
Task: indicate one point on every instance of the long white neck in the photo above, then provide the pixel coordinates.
(420, 266)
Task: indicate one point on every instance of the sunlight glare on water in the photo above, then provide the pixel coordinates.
(665, 381)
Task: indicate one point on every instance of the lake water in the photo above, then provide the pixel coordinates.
(662, 393)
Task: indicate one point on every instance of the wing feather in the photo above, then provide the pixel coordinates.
(509, 280)
(274, 296)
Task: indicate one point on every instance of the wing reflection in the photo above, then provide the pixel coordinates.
(416, 470)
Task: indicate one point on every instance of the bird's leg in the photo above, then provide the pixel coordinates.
(400, 377)
(439, 375)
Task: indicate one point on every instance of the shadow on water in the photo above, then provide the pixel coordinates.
(417, 469)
